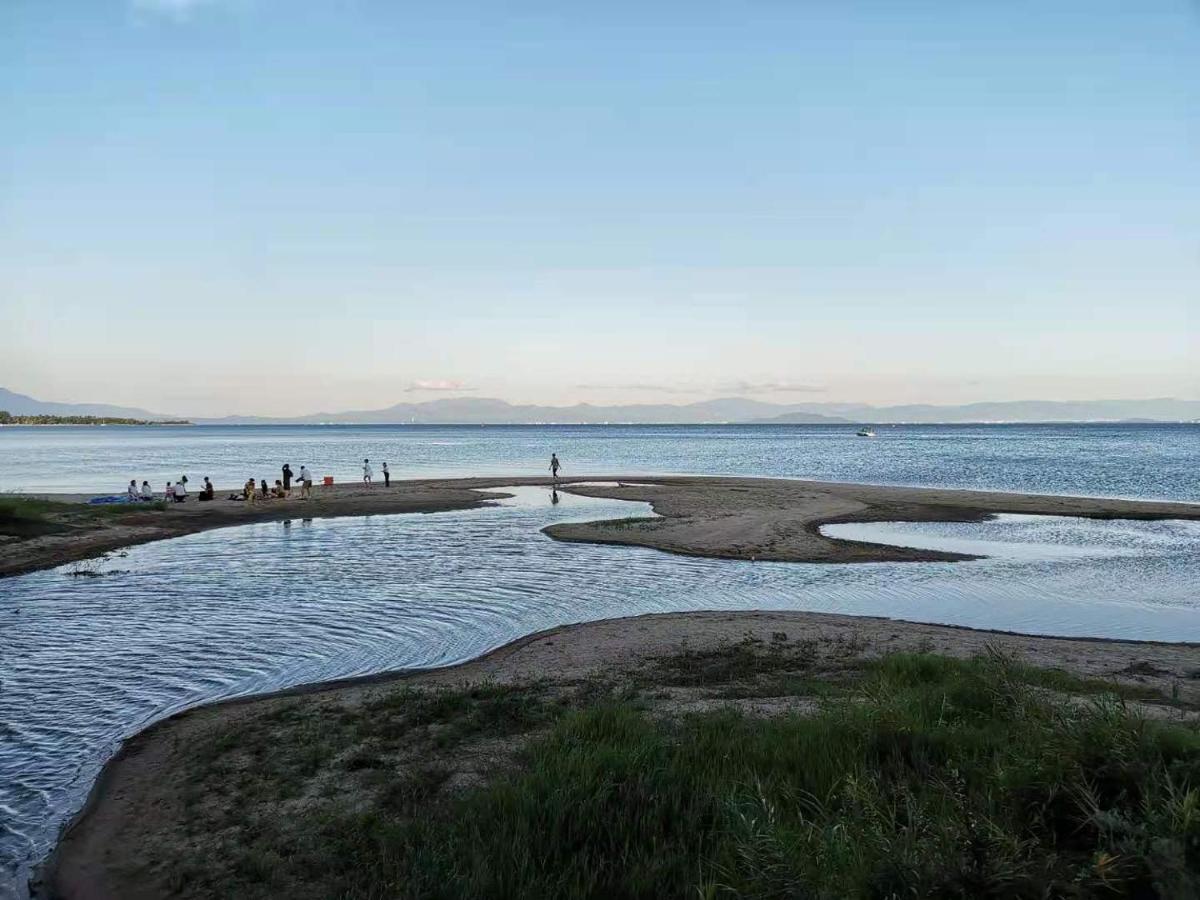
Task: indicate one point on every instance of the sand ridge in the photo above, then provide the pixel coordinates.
(731, 518)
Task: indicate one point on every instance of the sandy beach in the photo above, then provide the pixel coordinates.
(135, 817)
(730, 518)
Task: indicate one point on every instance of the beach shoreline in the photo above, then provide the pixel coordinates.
(134, 798)
(720, 517)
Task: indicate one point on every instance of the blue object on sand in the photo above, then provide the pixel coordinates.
(116, 498)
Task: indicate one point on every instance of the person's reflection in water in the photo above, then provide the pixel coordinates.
(554, 495)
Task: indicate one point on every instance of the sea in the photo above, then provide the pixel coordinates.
(1159, 461)
(88, 661)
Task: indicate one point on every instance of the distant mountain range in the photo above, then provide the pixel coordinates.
(21, 405)
(1164, 409)
(483, 411)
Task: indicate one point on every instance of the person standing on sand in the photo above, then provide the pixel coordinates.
(367, 473)
(554, 465)
(387, 476)
(305, 483)
(287, 479)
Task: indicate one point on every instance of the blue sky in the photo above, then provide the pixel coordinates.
(213, 206)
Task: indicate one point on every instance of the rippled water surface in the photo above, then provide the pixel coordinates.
(88, 661)
(1132, 460)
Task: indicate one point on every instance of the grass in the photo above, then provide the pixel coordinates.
(750, 662)
(26, 517)
(927, 777)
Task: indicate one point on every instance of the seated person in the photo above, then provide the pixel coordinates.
(131, 492)
(169, 493)
(278, 490)
(248, 490)
(180, 492)
(147, 493)
(206, 492)
(266, 495)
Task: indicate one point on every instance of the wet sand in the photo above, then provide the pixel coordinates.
(730, 518)
(139, 800)
(780, 520)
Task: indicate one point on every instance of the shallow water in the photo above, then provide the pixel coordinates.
(1125, 460)
(89, 661)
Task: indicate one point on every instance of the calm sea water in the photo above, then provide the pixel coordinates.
(1149, 461)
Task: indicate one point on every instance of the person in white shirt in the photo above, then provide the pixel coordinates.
(305, 484)
(367, 473)
(132, 491)
(180, 492)
(147, 493)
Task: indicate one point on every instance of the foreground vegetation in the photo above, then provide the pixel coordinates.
(913, 776)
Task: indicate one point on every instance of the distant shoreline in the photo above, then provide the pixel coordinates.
(45, 421)
(839, 426)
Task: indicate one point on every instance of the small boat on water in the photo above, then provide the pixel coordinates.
(865, 432)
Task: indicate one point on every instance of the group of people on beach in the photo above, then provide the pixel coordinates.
(253, 493)
(172, 493)
(254, 490)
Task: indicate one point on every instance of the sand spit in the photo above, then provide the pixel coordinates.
(731, 518)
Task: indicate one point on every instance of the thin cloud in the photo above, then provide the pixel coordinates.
(772, 387)
(438, 384)
(637, 386)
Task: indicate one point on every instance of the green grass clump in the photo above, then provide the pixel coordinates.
(24, 517)
(27, 517)
(931, 777)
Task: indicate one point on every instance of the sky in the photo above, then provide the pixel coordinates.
(280, 206)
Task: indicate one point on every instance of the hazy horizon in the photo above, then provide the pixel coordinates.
(213, 207)
(475, 409)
